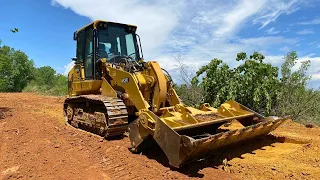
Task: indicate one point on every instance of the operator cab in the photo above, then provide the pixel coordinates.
(114, 41)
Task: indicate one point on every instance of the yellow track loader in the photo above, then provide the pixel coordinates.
(112, 90)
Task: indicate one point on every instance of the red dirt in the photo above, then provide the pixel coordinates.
(36, 144)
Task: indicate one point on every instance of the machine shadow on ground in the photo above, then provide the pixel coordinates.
(235, 151)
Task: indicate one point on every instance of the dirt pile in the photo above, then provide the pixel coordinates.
(36, 144)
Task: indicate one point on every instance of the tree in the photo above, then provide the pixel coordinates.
(45, 76)
(189, 93)
(294, 98)
(253, 83)
(258, 82)
(60, 85)
(15, 69)
(18, 73)
(258, 85)
(46, 81)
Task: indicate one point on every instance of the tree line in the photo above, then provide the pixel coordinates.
(18, 73)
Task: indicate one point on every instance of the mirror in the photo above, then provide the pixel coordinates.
(75, 36)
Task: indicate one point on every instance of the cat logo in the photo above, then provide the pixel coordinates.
(125, 80)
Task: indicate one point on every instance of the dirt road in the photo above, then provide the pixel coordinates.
(36, 144)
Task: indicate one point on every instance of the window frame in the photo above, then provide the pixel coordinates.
(80, 46)
(88, 31)
(122, 42)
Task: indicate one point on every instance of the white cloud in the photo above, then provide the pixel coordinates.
(238, 14)
(268, 41)
(68, 67)
(171, 62)
(311, 22)
(305, 32)
(272, 31)
(229, 16)
(285, 49)
(314, 69)
(213, 28)
(275, 60)
(170, 23)
(316, 76)
(199, 30)
(273, 9)
(155, 20)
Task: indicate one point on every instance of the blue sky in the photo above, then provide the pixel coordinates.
(194, 30)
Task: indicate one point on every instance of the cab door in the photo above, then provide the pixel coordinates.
(88, 53)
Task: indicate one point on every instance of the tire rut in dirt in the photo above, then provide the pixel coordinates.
(118, 169)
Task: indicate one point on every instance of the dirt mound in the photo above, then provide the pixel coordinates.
(36, 144)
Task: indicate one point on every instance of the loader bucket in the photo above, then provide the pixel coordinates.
(193, 149)
(195, 141)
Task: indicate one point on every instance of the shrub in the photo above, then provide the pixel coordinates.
(257, 85)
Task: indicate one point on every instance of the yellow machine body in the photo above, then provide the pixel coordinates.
(155, 111)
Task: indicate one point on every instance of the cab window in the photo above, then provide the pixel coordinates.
(80, 46)
(88, 55)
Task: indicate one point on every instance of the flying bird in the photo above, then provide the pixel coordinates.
(14, 30)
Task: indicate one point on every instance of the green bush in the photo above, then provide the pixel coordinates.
(253, 83)
(294, 98)
(257, 85)
(190, 95)
(15, 69)
(17, 73)
(46, 81)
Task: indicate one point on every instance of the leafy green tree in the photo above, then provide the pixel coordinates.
(46, 81)
(15, 69)
(258, 82)
(5, 68)
(18, 73)
(253, 83)
(294, 98)
(191, 95)
(60, 85)
(45, 76)
(217, 82)
(258, 85)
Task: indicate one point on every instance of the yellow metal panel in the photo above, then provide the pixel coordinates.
(172, 96)
(87, 87)
(141, 78)
(74, 75)
(160, 87)
(106, 89)
(95, 23)
(130, 84)
(91, 85)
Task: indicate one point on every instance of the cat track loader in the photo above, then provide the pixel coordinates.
(112, 90)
